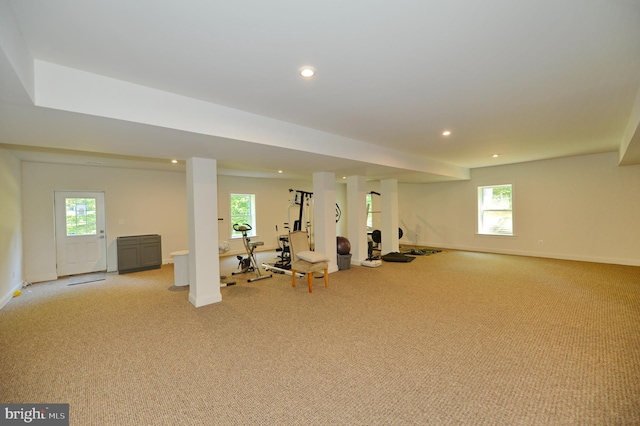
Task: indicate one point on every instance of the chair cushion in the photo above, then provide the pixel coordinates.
(305, 267)
(312, 256)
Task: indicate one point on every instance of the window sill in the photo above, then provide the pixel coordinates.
(496, 235)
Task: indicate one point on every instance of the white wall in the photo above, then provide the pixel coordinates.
(582, 208)
(11, 275)
(143, 202)
(136, 201)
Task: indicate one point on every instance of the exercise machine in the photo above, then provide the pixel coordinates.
(375, 235)
(248, 264)
(284, 257)
(283, 264)
(302, 199)
(223, 247)
(301, 204)
(372, 261)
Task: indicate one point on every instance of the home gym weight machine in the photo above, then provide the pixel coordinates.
(248, 264)
(303, 204)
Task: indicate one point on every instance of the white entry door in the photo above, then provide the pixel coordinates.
(81, 244)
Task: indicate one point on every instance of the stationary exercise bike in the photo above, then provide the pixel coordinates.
(248, 264)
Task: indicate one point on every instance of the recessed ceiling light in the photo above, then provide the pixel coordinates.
(496, 155)
(279, 171)
(307, 72)
(174, 161)
(446, 133)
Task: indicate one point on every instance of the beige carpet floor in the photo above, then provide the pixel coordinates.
(455, 338)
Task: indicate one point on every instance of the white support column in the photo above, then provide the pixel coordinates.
(389, 213)
(202, 200)
(324, 216)
(357, 218)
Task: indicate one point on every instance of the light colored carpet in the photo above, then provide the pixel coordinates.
(449, 339)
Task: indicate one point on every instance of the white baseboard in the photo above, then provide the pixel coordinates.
(560, 256)
(203, 301)
(7, 297)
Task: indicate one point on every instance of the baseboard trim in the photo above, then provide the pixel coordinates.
(559, 256)
(203, 301)
(7, 297)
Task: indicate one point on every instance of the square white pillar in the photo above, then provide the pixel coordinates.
(357, 218)
(389, 214)
(202, 200)
(324, 216)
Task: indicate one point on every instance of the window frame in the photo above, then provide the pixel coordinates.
(252, 214)
(88, 211)
(480, 226)
(369, 201)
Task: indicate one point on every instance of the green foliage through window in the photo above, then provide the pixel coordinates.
(495, 214)
(369, 211)
(81, 216)
(243, 211)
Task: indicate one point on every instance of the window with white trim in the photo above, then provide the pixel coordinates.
(495, 214)
(243, 211)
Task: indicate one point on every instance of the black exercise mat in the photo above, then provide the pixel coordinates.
(397, 257)
(421, 252)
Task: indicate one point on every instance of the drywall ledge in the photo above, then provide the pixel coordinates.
(73, 90)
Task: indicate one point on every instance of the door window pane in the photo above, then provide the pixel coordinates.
(81, 216)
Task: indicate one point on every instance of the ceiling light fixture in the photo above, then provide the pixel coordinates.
(307, 72)
(446, 133)
(496, 155)
(174, 161)
(279, 171)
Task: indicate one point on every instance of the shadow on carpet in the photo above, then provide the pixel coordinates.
(86, 278)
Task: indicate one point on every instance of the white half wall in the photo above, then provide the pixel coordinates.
(142, 202)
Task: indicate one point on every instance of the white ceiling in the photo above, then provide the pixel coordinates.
(528, 80)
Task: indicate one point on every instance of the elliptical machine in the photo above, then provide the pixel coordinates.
(248, 264)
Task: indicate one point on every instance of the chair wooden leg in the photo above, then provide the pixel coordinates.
(310, 281)
(293, 278)
(326, 278)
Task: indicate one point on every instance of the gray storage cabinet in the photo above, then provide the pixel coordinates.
(139, 253)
